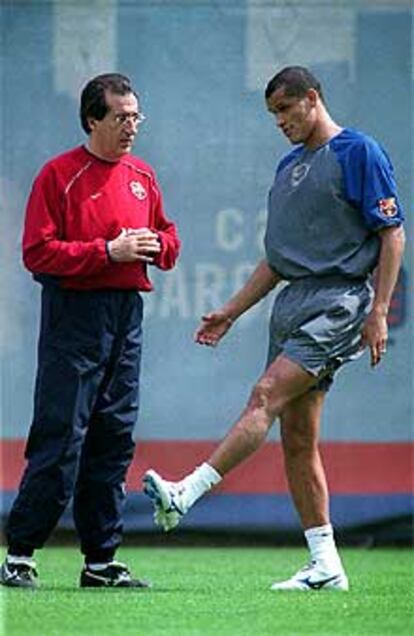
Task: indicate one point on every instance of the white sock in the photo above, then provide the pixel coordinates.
(202, 479)
(11, 558)
(96, 567)
(322, 547)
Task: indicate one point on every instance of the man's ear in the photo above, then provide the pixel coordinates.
(91, 123)
(312, 96)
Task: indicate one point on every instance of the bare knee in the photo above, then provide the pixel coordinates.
(258, 415)
(264, 400)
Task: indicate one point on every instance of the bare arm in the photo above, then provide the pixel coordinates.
(216, 324)
(375, 330)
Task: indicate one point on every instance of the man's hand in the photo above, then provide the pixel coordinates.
(134, 245)
(213, 327)
(375, 335)
(217, 323)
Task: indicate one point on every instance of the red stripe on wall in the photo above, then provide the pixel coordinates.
(352, 467)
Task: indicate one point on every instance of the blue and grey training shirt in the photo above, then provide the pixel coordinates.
(326, 206)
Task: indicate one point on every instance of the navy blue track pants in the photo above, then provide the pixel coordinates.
(85, 407)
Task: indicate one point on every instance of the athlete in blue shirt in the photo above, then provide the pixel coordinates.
(333, 217)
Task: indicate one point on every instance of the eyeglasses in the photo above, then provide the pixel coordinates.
(135, 118)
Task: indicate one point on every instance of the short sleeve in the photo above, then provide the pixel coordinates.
(369, 182)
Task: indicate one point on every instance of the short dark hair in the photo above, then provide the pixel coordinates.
(296, 80)
(93, 101)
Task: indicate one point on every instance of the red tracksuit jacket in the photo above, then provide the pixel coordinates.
(77, 203)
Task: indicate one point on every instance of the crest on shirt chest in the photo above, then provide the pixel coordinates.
(298, 174)
(138, 190)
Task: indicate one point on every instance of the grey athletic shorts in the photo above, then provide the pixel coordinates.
(316, 322)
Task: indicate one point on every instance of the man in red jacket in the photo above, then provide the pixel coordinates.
(94, 222)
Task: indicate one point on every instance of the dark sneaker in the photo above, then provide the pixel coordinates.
(22, 574)
(114, 575)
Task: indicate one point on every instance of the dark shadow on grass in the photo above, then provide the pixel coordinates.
(96, 590)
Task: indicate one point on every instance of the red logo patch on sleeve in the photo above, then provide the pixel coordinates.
(388, 207)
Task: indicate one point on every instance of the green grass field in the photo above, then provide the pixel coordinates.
(215, 592)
